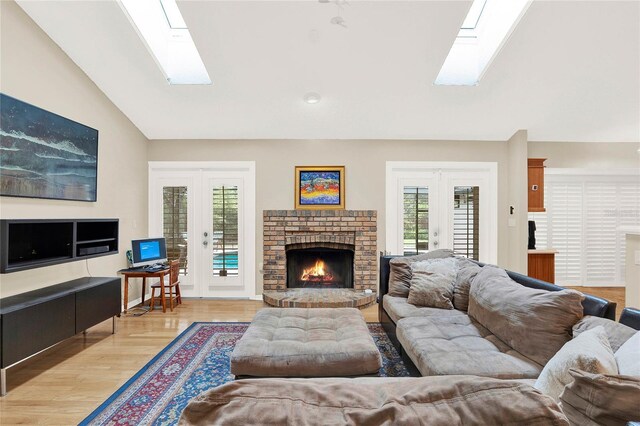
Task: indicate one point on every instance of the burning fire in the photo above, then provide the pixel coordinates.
(316, 273)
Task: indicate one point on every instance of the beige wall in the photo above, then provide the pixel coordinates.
(365, 162)
(517, 222)
(35, 70)
(588, 155)
(632, 269)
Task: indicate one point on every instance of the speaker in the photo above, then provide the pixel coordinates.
(85, 251)
(532, 235)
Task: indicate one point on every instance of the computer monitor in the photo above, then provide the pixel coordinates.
(148, 251)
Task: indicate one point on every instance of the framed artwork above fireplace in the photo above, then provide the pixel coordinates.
(319, 187)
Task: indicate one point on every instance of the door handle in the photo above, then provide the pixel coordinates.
(205, 243)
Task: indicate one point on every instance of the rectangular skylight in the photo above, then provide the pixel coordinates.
(174, 17)
(488, 25)
(164, 31)
(473, 16)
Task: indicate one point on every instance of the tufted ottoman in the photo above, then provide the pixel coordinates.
(296, 342)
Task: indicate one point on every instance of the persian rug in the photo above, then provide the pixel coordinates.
(196, 361)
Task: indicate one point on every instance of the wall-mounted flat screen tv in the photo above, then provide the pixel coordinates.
(44, 155)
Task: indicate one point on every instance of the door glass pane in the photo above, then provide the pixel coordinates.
(225, 230)
(416, 219)
(466, 208)
(174, 223)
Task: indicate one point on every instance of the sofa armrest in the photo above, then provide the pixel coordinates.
(630, 317)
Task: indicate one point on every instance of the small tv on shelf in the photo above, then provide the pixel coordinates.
(148, 251)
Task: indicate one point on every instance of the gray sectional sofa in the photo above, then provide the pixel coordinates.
(434, 341)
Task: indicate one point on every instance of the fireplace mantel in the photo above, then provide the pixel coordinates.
(282, 228)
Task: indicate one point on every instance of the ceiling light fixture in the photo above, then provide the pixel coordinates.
(487, 26)
(312, 98)
(165, 33)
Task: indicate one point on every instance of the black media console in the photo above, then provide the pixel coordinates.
(33, 321)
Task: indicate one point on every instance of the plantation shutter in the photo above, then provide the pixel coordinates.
(583, 220)
(628, 216)
(600, 232)
(466, 210)
(415, 220)
(565, 232)
(225, 230)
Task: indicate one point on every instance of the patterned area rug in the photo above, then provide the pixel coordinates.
(196, 361)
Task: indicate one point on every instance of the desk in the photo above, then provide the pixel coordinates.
(144, 275)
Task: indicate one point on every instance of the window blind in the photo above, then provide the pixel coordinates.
(583, 219)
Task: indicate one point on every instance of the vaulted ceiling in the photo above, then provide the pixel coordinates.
(569, 72)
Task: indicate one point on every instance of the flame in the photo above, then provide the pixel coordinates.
(316, 272)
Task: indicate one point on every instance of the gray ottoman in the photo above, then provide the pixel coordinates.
(296, 342)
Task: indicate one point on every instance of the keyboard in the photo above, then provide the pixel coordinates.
(154, 268)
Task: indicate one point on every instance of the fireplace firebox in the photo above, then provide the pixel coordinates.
(319, 267)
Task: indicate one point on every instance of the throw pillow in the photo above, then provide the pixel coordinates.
(628, 356)
(400, 270)
(534, 322)
(601, 399)
(467, 271)
(432, 283)
(590, 352)
(616, 333)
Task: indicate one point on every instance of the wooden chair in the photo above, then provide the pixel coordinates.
(171, 289)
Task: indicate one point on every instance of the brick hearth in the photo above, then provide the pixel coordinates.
(283, 229)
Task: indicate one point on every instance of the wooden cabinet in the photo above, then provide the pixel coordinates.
(36, 320)
(542, 265)
(536, 184)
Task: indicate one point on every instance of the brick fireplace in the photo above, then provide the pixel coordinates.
(294, 230)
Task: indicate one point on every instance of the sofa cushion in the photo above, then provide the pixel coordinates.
(435, 401)
(467, 271)
(590, 352)
(536, 323)
(399, 307)
(460, 345)
(617, 333)
(628, 356)
(600, 399)
(432, 283)
(400, 270)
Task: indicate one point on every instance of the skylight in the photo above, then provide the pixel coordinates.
(488, 25)
(161, 26)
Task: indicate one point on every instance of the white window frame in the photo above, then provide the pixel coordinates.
(397, 171)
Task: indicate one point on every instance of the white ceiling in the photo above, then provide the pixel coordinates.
(569, 72)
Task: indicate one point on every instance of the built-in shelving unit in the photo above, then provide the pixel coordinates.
(34, 243)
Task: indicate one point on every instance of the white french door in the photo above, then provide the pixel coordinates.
(433, 205)
(206, 212)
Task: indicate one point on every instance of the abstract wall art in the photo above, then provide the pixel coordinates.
(44, 155)
(319, 187)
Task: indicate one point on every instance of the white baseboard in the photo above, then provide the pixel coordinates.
(136, 302)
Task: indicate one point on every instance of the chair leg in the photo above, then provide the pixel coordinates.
(178, 295)
(153, 299)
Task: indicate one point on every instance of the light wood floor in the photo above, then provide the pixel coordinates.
(67, 382)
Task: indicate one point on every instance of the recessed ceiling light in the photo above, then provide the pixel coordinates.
(312, 98)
